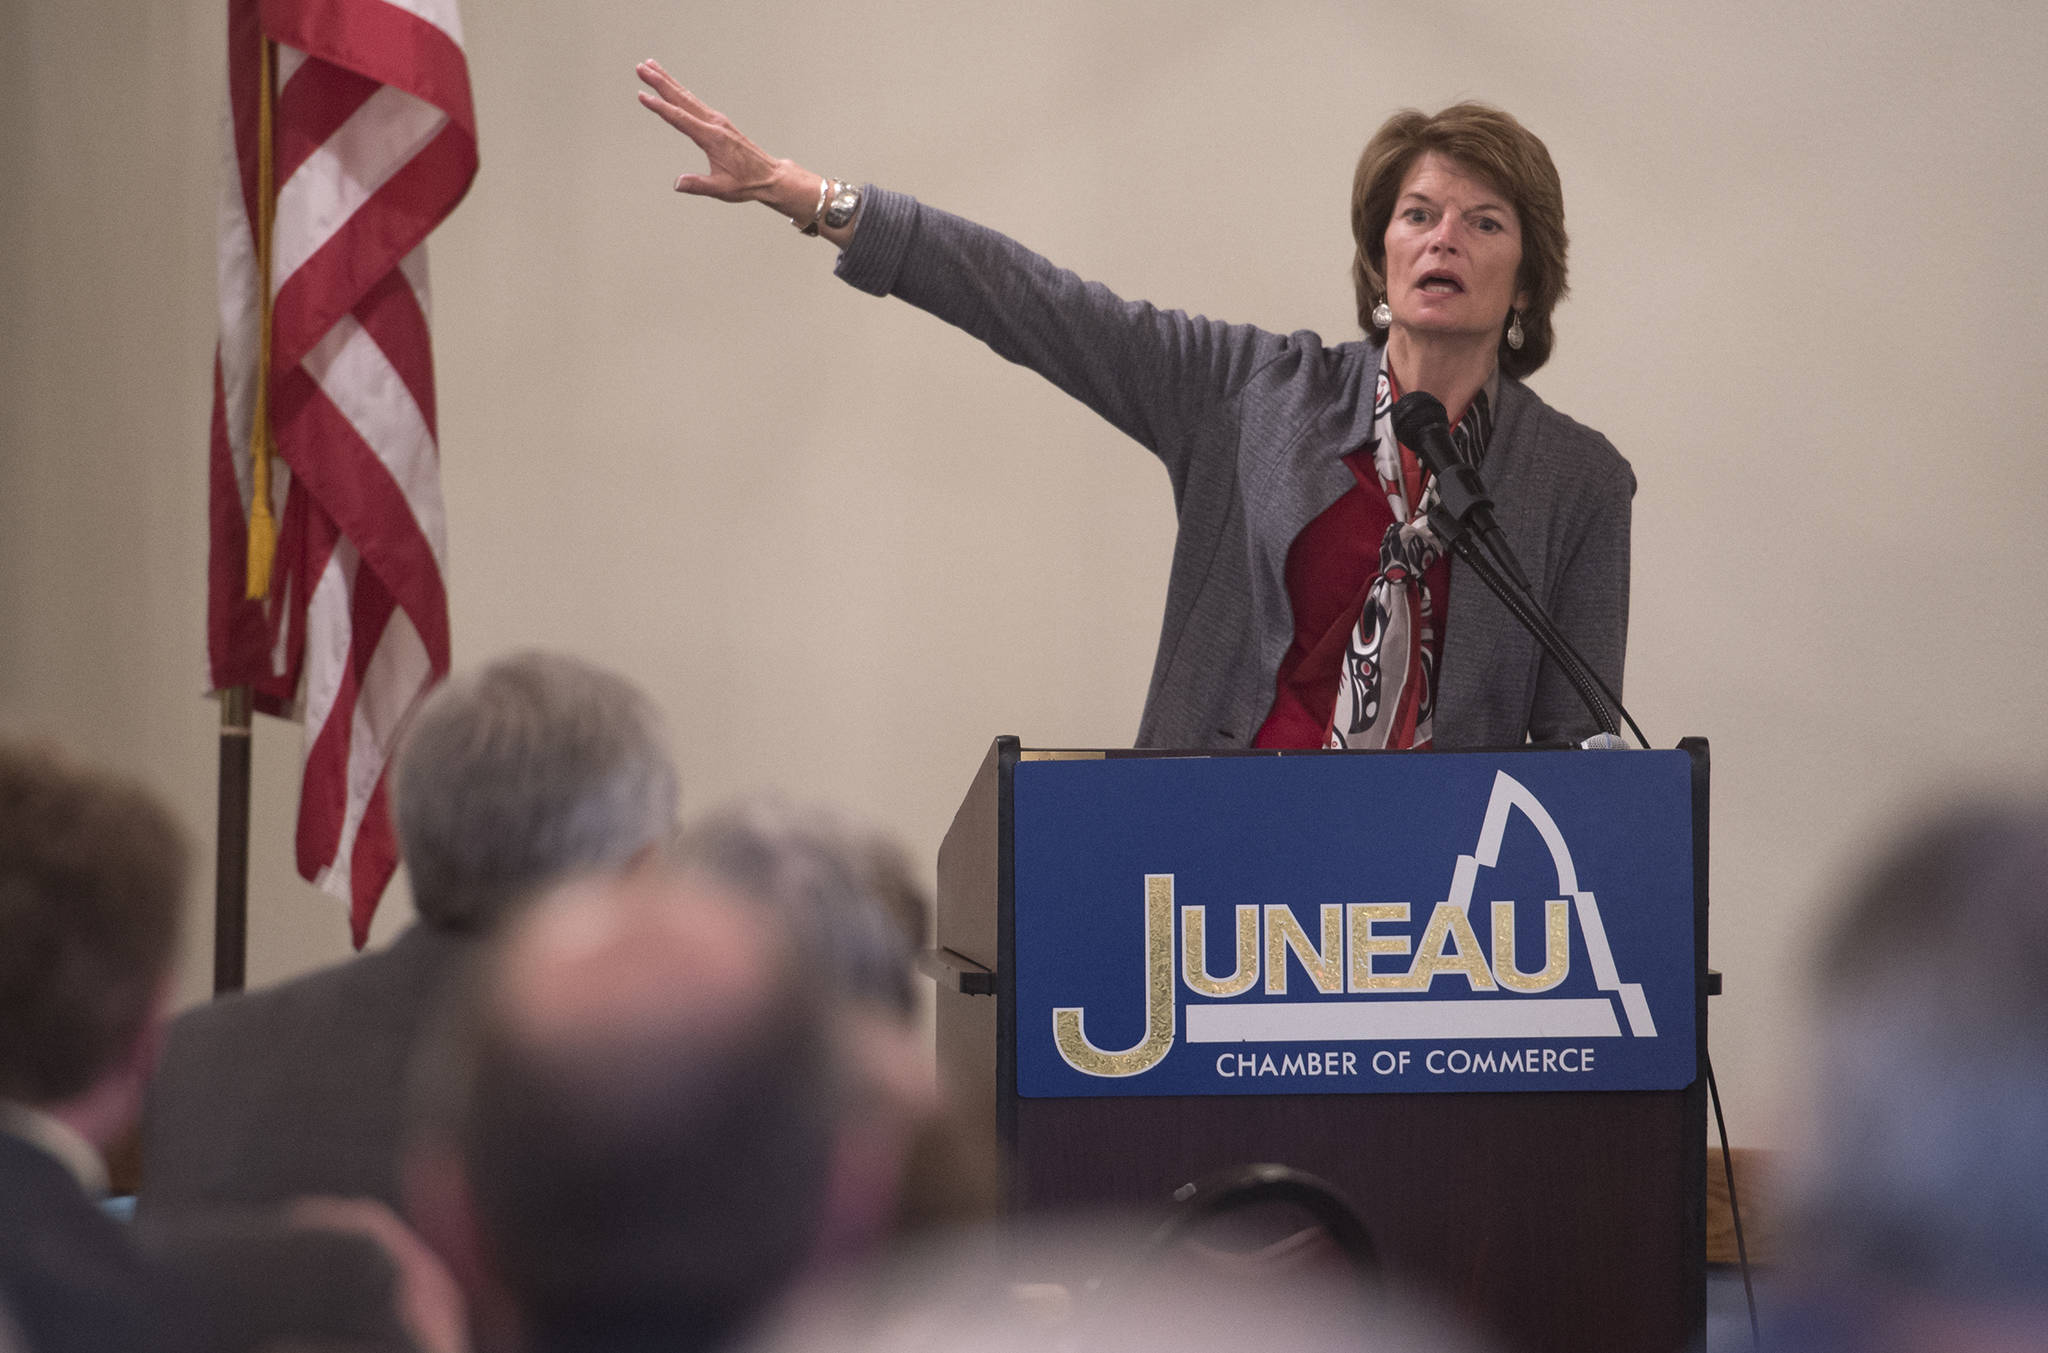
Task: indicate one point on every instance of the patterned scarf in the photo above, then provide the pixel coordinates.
(1386, 688)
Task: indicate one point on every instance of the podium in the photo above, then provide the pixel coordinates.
(1468, 989)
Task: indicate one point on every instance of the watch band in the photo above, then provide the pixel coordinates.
(810, 227)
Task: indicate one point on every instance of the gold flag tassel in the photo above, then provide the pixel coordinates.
(262, 522)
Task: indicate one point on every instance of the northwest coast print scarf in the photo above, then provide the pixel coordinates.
(1386, 688)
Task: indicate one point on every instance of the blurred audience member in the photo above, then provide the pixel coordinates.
(333, 1275)
(627, 1137)
(847, 888)
(92, 877)
(531, 770)
(1923, 1204)
(1065, 1288)
(844, 887)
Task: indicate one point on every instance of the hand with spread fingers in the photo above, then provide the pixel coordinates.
(740, 171)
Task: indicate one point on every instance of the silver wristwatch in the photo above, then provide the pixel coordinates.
(845, 202)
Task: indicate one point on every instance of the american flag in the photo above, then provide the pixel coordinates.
(372, 142)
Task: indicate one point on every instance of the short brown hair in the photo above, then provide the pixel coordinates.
(1487, 143)
(92, 879)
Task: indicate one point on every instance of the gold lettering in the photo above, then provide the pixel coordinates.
(1194, 957)
(1447, 923)
(1325, 963)
(1557, 948)
(1072, 1041)
(1364, 944)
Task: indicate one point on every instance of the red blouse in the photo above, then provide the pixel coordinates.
(1330, 568)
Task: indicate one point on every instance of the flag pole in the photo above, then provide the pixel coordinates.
(231, 848)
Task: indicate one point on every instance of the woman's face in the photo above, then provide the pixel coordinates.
(1454, 251)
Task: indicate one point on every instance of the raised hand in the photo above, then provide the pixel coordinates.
(739, 170)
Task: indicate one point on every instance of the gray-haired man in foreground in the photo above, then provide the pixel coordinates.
(533, 769)
(629, 1135)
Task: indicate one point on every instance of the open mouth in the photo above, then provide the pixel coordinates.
(1440, 284)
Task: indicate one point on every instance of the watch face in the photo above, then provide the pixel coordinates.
(842, 208)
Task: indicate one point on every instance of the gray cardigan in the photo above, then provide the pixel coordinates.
(1252, 427)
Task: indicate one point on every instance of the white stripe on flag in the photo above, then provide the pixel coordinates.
(240, 324)
(354, 373)
(414, 266)
(327, 636)
(334, 181)
(289, 59)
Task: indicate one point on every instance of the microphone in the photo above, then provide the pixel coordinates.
(1423, 426)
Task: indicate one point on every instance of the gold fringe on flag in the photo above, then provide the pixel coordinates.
(262, 523)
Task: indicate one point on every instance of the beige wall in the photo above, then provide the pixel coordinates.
(844, 546)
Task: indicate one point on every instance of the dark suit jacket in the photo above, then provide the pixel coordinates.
(70, 1276)
(295, 1089)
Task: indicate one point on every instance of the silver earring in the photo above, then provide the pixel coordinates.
(1514, 330)
(1382, 316)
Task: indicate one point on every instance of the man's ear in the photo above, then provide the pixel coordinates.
(107, 1111)
(155, 1032)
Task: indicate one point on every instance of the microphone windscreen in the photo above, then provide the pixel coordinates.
(1423, 426)
(1416, 414)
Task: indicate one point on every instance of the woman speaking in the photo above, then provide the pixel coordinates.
(1309, 603)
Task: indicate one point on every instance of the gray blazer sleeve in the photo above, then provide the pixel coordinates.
(1152, 373)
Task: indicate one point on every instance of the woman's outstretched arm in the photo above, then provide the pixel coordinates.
(1155, 374)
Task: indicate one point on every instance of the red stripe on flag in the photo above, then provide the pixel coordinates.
(352, 486)
(389, 45)
(312, 107)
(245, 46)
(374, 240)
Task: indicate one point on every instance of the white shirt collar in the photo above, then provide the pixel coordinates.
(59, 1139)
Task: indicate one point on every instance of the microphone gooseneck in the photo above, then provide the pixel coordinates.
(1464, 519)
(1424, 428)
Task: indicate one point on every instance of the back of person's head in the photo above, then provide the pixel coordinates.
(844, 886)
(1068, 1285)
(92, 876)
(533, 769)
(911, 1164)
(1928, 1177)
(638, 1092)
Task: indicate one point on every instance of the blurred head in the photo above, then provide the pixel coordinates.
(843, 887)
(1426, 184)
(536, 768)
(629, 1127)
(1062, 1286)
(1929, 1177)
(92, 877)
(846, 890)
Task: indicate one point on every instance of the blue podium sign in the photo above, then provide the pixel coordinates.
(1354, 924)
